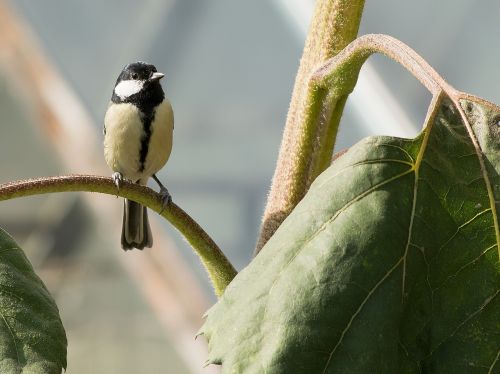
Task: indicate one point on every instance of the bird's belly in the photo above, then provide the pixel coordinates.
(160, 143)
(124, 136)
(122, 141)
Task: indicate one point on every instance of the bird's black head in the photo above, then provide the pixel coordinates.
(137, 71)
(139, 84)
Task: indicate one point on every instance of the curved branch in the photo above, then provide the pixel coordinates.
(219, 269)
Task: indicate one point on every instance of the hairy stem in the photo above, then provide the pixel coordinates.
(310, 130)
(219, 269)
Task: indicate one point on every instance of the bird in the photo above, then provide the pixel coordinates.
(138, 135)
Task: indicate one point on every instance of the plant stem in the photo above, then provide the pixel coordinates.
(311, 129)
(219, 269)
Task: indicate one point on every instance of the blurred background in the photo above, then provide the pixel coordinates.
(230, 68)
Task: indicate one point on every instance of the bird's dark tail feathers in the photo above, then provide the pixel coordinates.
(136, 232)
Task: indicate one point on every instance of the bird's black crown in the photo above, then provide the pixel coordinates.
(137, 71)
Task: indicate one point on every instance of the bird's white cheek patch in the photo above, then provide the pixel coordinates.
(128, 88)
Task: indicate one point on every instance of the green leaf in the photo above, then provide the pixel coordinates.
(32, 337)
(388, 265)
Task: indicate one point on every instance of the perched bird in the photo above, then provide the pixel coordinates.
(138, 129)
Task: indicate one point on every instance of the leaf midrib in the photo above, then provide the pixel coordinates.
(13, 338)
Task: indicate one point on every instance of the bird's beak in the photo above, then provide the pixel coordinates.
(156, 77)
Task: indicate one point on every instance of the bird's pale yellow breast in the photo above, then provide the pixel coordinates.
(122, 139)
(160, 144)
(124, 134)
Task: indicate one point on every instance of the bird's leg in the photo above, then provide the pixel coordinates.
(118, 179)
(166, 198)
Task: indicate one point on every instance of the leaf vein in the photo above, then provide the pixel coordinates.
(486, 178)
(420, 157)
(461, 324)
(494, 362)
(463, 267)
(13, 338)
(461, 227)
(365, 300)
(383, 160)
(400, 148)
(8, 249)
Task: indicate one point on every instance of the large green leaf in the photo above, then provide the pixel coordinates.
(32, 337)
(388, 265)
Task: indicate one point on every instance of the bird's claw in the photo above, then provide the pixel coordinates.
(166, 198)
(118, 179)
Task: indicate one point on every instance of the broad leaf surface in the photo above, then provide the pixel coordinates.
(388, 265)
(32, 337)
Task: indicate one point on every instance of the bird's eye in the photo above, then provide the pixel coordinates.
(135, 76)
